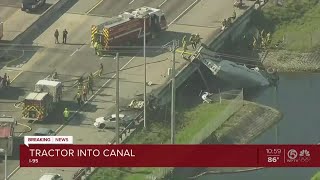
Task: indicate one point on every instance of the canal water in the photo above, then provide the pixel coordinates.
(297, 97)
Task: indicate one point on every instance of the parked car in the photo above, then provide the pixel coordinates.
(110, 121)
(44, 132)
(51, 176)
(31, 5)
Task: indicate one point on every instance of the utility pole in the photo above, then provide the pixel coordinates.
(117, 100)
(173, 93)
(173, 45)
(145, 75)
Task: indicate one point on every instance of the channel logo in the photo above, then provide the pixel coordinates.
(294, 156)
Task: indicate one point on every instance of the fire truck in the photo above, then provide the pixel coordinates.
(7, 125)
(38, 104)
(127, 29)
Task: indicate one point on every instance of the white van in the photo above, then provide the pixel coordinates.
(51, 176)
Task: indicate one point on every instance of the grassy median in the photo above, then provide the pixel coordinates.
(189, 122)
(297, 22)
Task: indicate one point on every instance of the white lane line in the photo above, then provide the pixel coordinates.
(163, 3)
(131, 2)
(74, 52)
(181, 14)
(101, 57)
(94, 6)
(114, 75)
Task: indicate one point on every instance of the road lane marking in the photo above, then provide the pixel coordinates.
(114, 75)
(131, 2)
(16, 76)
(181, 14)
(94, 6)
(163, 3)
(74, 52)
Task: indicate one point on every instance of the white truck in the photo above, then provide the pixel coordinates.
(7, 134)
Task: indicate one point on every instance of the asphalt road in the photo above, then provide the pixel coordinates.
(171, 8)
(70, 61)
(11, 3)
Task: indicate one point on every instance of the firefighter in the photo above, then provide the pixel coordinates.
(64, 36)
(4, 80)
(184, 40)
(90, 83)
(100, 69)
(198, 39)
(55, 75)
(224, 24)
(254, 44)
(79, 98)
(84, 93)
(193, 41)
(8, 81)
(56, 36)
(80, 82)
(184, 46)
(66, 114)
(98, 47)
(234, 15)
(268, 38)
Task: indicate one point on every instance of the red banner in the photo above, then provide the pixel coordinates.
(170, 156)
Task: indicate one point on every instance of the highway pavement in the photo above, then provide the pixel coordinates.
(77, 58)
(70, 61)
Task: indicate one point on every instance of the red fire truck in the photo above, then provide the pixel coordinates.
(127, 29)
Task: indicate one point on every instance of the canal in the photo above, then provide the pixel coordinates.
(297, 97)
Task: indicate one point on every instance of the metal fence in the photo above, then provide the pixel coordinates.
(234, 100)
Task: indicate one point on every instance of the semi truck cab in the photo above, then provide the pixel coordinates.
(31, 5)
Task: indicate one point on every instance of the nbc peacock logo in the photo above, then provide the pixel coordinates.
(304, 156)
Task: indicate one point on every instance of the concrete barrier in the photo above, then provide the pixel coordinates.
(38, 23)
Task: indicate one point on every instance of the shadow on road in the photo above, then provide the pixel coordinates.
(12, 93)
(42, 27)
(41, 10)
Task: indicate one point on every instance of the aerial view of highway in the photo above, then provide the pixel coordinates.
(66, 66)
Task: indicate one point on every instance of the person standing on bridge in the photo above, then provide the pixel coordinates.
(56, 36)
(193, 41)
(84, 93)
(64, 36)
(66, 114)
(100, 69)
(79, 98)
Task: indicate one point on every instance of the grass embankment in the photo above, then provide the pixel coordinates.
(297, 21)
(189, 122)
(316, 176)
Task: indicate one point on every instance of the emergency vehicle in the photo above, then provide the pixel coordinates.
(38, 104)
(7, 125)
(127, 29)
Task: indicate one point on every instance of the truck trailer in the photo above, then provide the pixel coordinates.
(127, 29)
(7, 134)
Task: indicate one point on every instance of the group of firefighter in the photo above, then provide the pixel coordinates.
(84, 88)
(194, 40)
(263, 40)
(227, 22)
